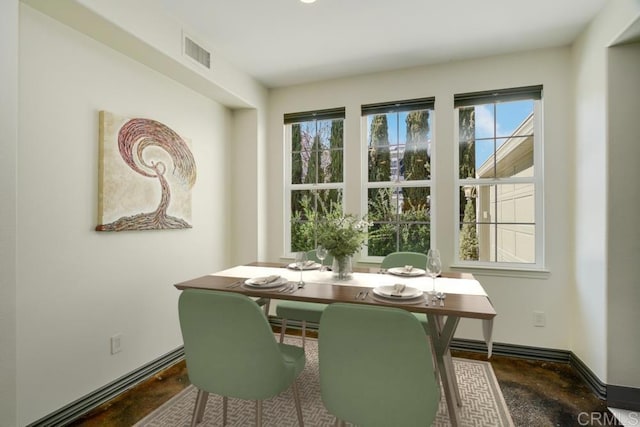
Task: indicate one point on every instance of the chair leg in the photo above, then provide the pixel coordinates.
(198, 410)
(304, 331)
(266, 307)
(296, 399)
(282, 329)
(258, 413)
(225, 402)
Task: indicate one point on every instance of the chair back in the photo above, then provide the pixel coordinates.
(229, 346)
(400, 259)
(376, 367)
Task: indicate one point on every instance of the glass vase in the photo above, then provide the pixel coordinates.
(341, 267)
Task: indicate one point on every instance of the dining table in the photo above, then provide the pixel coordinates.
(465, 298)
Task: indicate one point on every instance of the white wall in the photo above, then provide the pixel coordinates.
(514, 296)
(623, 290)
(244, 215)
(589, 338)
(77, 287)
(8, 149)
(143, 31)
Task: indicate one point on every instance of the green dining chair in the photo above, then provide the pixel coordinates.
(376, 367)
(302, 312)
(400, 259)
(230, 350)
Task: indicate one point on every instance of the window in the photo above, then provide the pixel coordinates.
(397, 186)
(499, 179)
(315, 181)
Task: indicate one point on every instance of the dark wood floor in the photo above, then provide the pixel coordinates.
(538, 394)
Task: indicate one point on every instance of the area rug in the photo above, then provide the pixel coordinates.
(483, 402)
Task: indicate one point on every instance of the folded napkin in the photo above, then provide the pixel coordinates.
(398, 289)
(408, 268)
(266, 280)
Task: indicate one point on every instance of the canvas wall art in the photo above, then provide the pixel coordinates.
(146, 173)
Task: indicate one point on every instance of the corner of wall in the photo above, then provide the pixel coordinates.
(8, 238)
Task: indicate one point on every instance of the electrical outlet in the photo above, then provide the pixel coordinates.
(539, 319)
(116, 343)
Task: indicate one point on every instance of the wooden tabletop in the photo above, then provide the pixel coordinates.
(460, 305)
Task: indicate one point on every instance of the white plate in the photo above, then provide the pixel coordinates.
(389, 292)
(259, 282)
(418, 300)
(401, 271)
(309, 266)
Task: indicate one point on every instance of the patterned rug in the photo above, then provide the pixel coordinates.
(483, 403)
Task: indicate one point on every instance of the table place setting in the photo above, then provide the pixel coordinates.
(308, 265)
(266, 282)
(406, 271)
(398, 293)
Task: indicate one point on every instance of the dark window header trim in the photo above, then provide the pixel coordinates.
(501, 95)
(398, 106)
(308, 116)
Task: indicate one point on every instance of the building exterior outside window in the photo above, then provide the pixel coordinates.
(499, 179)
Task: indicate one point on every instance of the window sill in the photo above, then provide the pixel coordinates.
(482, 270)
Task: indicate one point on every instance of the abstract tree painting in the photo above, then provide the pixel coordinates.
(146, 173)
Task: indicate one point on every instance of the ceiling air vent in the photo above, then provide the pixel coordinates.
(196, 52)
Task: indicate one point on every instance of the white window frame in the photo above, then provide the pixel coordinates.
(290, 187)
(537, 180)
(365, 185)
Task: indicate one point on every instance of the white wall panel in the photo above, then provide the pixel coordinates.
(78, 287)
(8, 235)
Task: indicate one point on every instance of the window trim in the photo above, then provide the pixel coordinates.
(538, 181)
(365, 185)
(289, 187)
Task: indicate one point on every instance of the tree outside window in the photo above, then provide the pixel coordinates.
(399, 175)
(316, 172)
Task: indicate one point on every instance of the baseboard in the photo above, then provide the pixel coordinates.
(623, 397)
(536, 353)
(512, 350)
(599, 388)
(76, 409)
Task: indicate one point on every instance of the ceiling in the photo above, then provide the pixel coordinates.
(286, 42)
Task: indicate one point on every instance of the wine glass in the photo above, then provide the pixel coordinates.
(321, 253)
(301, 261)
(434, 266)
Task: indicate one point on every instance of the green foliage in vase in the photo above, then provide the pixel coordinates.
(342, 234)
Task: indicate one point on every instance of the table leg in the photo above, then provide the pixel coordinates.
(441, 333)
